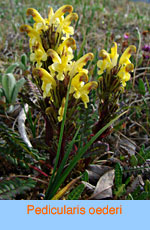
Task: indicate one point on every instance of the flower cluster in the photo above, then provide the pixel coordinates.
(52, 55)
(110, 61)
(114, 75)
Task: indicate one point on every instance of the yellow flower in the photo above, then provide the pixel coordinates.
(84, 91)
(38, 55)
(108, 60)
(60, 64)
(78, 65)
(40, 22)
(126, 55)
(65, 24)
(124, 74)
(59, 14)
(61, 110)
(48, 81)
(80, 89)
(69, 45)
(77, 82)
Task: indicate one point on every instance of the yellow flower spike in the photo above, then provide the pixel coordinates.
(54, 55)
(114, 55)
(35, 14)
(126, 55)
(78, 65)
(61, 110)
(44, 75)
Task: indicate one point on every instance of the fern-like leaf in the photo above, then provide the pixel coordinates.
(10, 188)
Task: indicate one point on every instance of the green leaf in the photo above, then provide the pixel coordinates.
(11, 68)
(120, 191)
(8, 83)
(85, 176)
(17, 87)
(118, 175)
(129, 197)
(1, 92)
(24, 59)
(10, 188)
(60, 141)
(53, 189)
(1, 78)
(76, 193)
(133, 161)
(141, 87)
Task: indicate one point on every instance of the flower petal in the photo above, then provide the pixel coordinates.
(54, 55)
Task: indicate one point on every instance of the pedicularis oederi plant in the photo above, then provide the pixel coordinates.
(64, 83)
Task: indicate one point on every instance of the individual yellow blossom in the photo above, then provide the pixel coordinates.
(32, 33)
(48, 82)
(65, 24)
(126, 55)
(84, 91)
(40, 23)
(61, 110)
(59, 13)
(69, 45)
(78, 81)
(60, 64)
(80, 89)
(78, 65)
(108, 60)
(38, 55)
(124, 74)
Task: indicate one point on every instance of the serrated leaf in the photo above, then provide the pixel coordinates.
(8, 83)
(120, 191)
(17, 87)
(10, 188)
(76, 193)
(118, 175)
